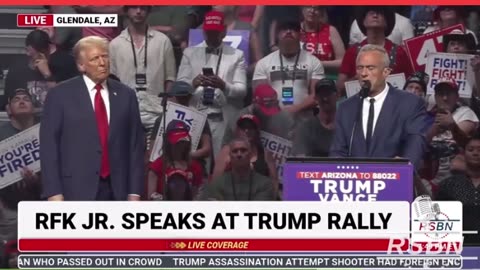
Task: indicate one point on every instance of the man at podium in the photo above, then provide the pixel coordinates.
(381, 121)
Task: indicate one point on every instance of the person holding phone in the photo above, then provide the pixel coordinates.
(217, 72)
(45, 67)
(452, 126)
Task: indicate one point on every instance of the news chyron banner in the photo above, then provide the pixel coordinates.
(67, 20)
(211, 226)
(246, 235)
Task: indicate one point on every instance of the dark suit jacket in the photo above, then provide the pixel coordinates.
(399, 131)
(70, 147)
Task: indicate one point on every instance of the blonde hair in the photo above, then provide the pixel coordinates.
(380, 49)
(87, 42)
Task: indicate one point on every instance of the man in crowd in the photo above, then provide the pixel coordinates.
(218, 75)
(452, 126)
(314, 136)
(20, 111)
(141, 57)
(46, 67)
(376, 23)
(385, 122)
(291, 71)
(417, 84)
(241, 183)
(92, 140)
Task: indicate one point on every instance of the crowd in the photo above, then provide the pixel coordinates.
(99, 96)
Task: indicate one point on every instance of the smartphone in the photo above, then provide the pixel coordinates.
(207, 71)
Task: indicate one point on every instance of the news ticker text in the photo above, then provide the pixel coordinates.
(237, 261)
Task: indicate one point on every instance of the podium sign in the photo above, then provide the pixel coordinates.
(342, 180)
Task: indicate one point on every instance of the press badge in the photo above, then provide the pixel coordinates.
(287, 95)
(140, 81)
(140, 78)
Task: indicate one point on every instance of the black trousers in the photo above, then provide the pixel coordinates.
(105, 192)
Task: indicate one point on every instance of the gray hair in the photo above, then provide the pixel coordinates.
(371, 48)
(89, 41)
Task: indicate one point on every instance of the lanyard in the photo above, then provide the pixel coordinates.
(218, 61)
(250, 180)
(294, 67)
(134, 52)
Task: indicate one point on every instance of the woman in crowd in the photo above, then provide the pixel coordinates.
(322, 39)
(176, 157)
(446, 16)
(464, 187)
(262, 160)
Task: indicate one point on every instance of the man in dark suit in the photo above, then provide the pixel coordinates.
(92, 140)
(388, 122)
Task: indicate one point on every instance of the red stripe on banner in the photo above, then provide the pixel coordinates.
(39, 245)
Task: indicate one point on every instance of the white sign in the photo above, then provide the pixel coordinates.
(193, 118)
(396, 80)
(19, 151)
(451, 66)
(436, 221)
(280, 148)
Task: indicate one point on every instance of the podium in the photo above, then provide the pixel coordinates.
(347, 179)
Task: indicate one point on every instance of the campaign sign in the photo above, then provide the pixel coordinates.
(451, 66)
(193, 118)
(280, 148)
(238, 39)
(19, 151)
(396, 80)
(419, 47)
(347, 181)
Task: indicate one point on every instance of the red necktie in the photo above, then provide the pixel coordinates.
(102, 124)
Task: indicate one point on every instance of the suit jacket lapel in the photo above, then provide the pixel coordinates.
(83, 97)
(383, 121)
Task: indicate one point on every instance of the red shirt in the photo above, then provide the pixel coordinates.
(401, 65)
(318, 43)
(194, 172)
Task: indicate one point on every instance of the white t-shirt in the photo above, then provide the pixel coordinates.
(402, 30)
(308, 68)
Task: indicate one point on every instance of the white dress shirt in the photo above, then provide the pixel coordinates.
(377, 107)
(104, 92)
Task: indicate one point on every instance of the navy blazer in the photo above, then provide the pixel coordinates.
(70, 149)
(399, 131)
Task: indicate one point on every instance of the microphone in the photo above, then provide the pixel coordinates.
(365, 90)
(366, 86)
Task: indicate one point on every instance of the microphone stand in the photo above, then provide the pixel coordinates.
(164, 97)
(363, 94)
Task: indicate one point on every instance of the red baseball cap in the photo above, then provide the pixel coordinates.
(177, 131)
(249, 117)
(214, 21)
(266, 98)
(446, 83)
